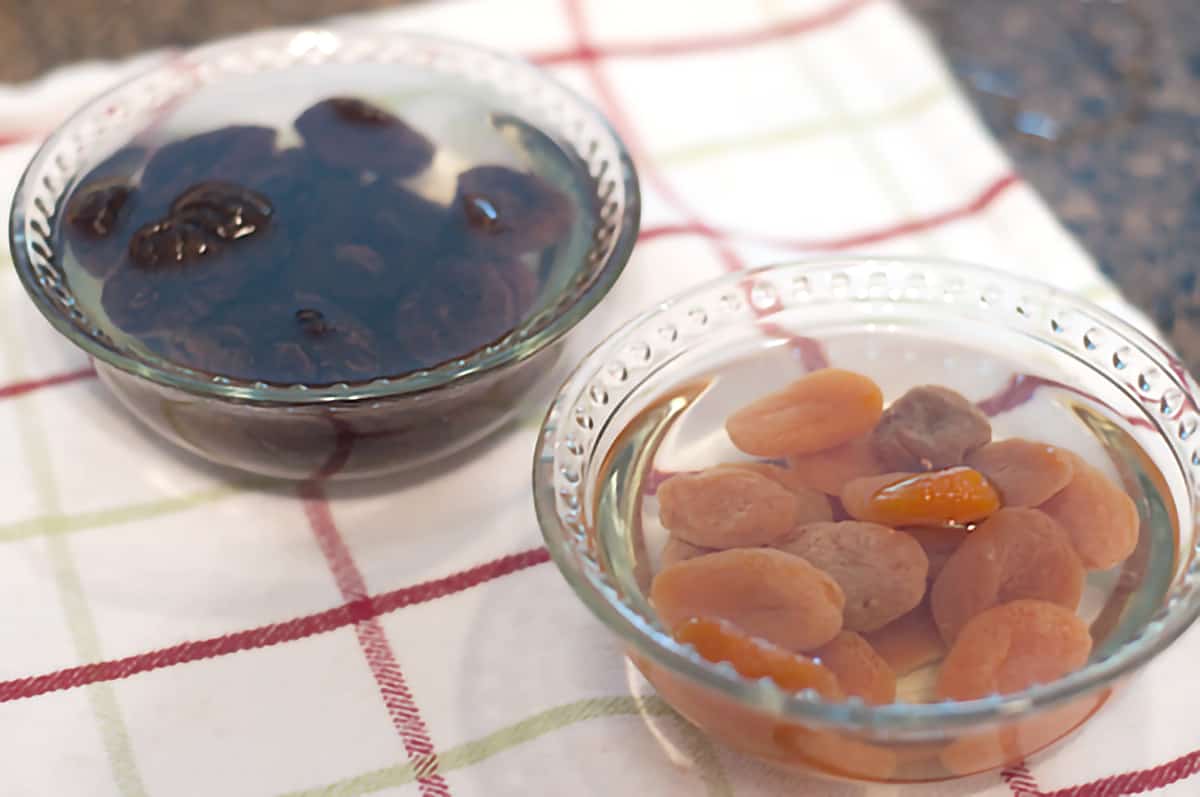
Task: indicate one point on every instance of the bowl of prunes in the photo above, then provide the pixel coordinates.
(325, 252)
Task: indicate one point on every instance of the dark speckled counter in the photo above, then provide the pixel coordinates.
(1098, 102)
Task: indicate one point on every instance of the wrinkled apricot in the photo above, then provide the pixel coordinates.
(768, 594)
(821, 410)
(939, 543)
(954, 496)
(718, 640)
(1024, 472)
(1016, 553)
(929, 428)
(1101, 518)
(811, 505)
(860, 671)
(677, 550)
(881, 571)
(829, 470)
(910, 642)
(726, 508)
(1012, 647)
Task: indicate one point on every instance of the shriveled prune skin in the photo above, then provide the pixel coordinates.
(504, 211)
(350, 133)
(202, 221)
(101, 211)
(929, 428)
(228, 153)
(95, 211)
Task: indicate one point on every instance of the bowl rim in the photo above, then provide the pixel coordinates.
(910, 720)
(508, 352)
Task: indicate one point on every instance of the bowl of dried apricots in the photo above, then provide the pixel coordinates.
(879, 519)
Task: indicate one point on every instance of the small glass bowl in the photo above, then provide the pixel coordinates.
(590, 482)
(340, 430)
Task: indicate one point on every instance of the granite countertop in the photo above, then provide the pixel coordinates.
(1098, 102)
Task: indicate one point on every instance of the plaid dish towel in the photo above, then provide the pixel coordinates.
(171, 628)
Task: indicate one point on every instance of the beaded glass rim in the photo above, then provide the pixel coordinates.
(566, 117)
(1140, 367)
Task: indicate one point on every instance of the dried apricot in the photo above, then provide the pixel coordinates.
(719, 640)
(939, 542)
(677, 550)
(881, 571)
(953, 496)
(1100, 517)
(1012, 647)
(1025, 472)
(829, 470)
(821, 410)
(860, 671)
(726, 508)
(811, 505)
(929, 428)
(1016, 553)
(909, 643)
(768, 594)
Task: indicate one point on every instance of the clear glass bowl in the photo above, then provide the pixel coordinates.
(342, 430)
(904, 322)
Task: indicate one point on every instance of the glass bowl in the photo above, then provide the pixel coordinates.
(1044, 363)
(338, 430)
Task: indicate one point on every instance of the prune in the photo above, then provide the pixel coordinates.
(1025, 472)
(677, 550)
(503, 211)
(138, 301)
(1016, 553)
(351, 133)
(1012, 647)
(945, 497)
(228, 153)
(929, 428)
(910, 642)
(768, 594)
(881, 571)
(860, 671)
(171, 242)
(1101, 518)
(717, 641)
(726, 508)
(821, 410)
(469, 304)
(201, 220)
(220, 349)
(829, 470)
(94, 210)
(811, 505)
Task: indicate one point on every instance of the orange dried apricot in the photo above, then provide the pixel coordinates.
(767, 593)
(718, 640)
(881, 571)
(1101, 518)
(909, 643)
(1012, 647)
(811, 505)
(939, 543)
(726, 508)
(1016, 553)
(953, 496)
(821, 410)
(829, 470)
(1025, 472)
(860, 671)
(677, 550)
(929, 428)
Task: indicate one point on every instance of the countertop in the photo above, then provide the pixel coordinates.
(1098, 102)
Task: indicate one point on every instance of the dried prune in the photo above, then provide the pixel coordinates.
(1016, 553)
(726, 508)
(1012, 647)
(929, 428)
(768, 594)
(171, 242)
(824, 409)
(350, 133)
(507, 212)
(94, 210)
(228, 153)
(201, 220)
(881, 571)
(140, 301)
(467, 305)
(218, 349)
